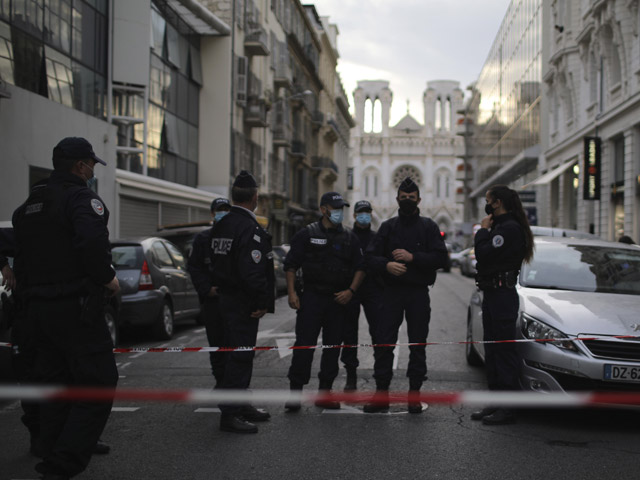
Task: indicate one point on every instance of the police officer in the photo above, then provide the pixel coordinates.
(503, 242)
(332, 271)
(65, 268)
(407, 251)
(242, 268)
(368, 295)
(198, 267)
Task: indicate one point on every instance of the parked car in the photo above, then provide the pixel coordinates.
(156, 287)
(447, 267)
(574, 288)
(468, 262)
(456, 257)
(279, 253)
(182, 235)
(561, 232)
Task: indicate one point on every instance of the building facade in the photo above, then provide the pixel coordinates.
(428, 153)
(591, 77)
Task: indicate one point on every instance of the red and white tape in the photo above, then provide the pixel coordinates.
(362, 345)
(279, 397)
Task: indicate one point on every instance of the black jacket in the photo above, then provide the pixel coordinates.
(419, 236)
(501, 249)
(199, 264)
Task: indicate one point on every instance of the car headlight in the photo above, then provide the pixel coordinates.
(537, 330)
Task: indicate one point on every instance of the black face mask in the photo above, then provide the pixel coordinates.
(488, 208)
(407, 206)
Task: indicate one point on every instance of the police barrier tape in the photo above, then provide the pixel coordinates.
(361, 345)
(279, 397)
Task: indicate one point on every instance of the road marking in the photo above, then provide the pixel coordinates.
(283, 344)
(269, 334)
(200, 330)
(136, 355)
(396, 352)
(348, 410)
(124, 409)
(124, 365)
(182, 337)
(206, 410)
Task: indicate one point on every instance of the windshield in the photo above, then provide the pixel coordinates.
(583, 268)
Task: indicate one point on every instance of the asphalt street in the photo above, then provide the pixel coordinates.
(170, 441)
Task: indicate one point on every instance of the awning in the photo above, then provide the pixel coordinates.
(201, 19)
(553, 173)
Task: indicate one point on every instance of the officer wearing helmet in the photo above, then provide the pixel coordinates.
(65, 279)
(198, 266)
(332, 270)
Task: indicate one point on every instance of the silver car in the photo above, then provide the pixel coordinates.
(572, 289)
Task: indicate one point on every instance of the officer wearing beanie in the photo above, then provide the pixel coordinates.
(368, 295)
(242, 269)
(198, 267)
(407, 251)
(65, 273)
(332, 270)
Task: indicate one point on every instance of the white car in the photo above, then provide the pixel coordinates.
(572, 289)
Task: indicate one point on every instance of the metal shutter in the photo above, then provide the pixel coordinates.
(137, 217)
(173, 214)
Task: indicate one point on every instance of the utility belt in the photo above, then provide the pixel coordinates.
(322, 289)
(497, 280)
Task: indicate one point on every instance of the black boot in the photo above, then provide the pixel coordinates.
(381, 404)
(352, 380)
(254, 414)
(293, 406)
(236, 424)
(324, 388)
(415, 406)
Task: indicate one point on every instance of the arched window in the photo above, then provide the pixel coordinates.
(406, 171)
(447, 115)
(371, 182)
(377, 116)
(368, 115)
(593, 79)
(437, 124)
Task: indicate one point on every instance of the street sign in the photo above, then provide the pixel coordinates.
(592, 161)
(527, 196)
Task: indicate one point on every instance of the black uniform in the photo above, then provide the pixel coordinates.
(65, 259)
(329, 259)
(242, 267)
(369, 295)
(500, 252)
(199, 267)
(407, 294)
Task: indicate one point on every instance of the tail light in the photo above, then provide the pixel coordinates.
(145, 278)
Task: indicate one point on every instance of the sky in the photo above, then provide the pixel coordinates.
(409, 42)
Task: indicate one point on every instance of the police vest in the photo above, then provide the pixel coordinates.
(328, 263)
(45, 240)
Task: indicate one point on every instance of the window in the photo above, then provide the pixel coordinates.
(618, 168)
(160, 255)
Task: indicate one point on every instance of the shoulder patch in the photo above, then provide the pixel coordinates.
(497, 241)
(97, 206)
(256, 255)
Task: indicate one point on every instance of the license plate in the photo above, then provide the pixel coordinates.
(622, 373)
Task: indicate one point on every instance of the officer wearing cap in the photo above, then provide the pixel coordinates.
(65, 273)
(242, 269)
(368, 295)
(198, 266)
(332, 271)
(406, 251)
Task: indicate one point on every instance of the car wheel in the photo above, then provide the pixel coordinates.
(163, 328)
(110, 320)
(473, 357)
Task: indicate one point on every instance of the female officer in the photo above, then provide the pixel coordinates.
(503, 242)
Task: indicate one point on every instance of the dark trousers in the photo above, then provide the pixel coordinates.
(215, 335)
(371, 300)
(499, 315)
(318, 311)
(400, 302)
(75, 352)
(240, 330)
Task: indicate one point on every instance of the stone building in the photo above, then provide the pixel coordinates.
(427, 152)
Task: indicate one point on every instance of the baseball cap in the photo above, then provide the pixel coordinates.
(362, 206)
(219, 202)
(75, 148)
(333, 199)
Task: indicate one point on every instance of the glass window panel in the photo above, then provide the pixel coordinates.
(153, 162)
(171, 89)
(155, 124)
(57, 20)
(194, 103)
(192, 174)
(76, 29)
(28, 15)
(173, 50)
(158, 26)
(196, 65)
(183, 96)
(183, 56)
(172, 135)
(28, 70)
(6, 53)
(4, 9)
(88, 36)
(181, 171)
(169, 167)
(156, 80)
(100, 63)
(192, 145)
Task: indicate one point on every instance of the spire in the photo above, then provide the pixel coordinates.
(407, 106)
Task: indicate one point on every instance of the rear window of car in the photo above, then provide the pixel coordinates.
(584, 268)
(127, 256)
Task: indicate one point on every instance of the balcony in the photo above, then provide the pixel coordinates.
(317, 119)
(463, 127)
(255, 113)
(460, 172)
(283, 76)
(298, 149)
(255, 42)
(331, 130)
(324, 163)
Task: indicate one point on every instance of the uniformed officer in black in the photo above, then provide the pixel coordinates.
(65, 267)
(368, 295)
(242, 269)
(332, 271)
(198, 266)
(503, 242)
(407, 251)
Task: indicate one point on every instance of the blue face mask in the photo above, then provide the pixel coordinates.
(336, 216)
(218, 216)
(363, 218)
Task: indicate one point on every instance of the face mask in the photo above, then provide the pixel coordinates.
(408, 206)
(488, 208)
(92, 183)
(93, 176)
(218, 216)
(363, 218)
(336, 216)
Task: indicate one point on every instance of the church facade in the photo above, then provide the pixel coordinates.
(427, 152)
